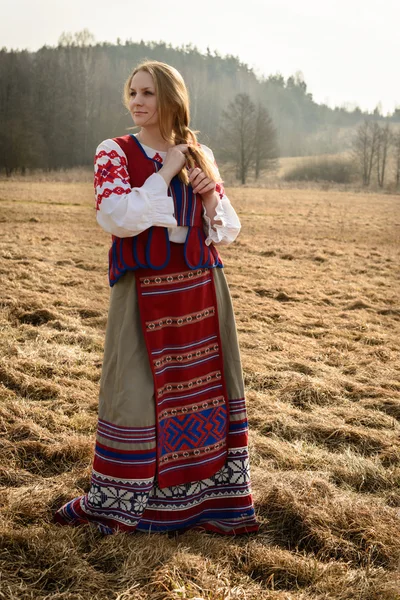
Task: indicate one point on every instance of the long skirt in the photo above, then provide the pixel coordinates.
(125, 492)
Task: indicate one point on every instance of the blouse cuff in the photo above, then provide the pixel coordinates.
(155, 184)
(228, 229)
(161, 205)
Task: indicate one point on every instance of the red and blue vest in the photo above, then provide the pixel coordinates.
(151, 248)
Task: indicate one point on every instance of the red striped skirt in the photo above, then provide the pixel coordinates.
(172, 443)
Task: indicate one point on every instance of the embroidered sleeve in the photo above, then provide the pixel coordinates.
(226, 225)
(120, 209)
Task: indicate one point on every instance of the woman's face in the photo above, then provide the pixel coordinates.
(143, 100)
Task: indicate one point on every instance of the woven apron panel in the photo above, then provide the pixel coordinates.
(179, 317)
(124, 494)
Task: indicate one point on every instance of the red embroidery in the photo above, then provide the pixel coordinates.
(112, 154)
(109, 172)
(220, 189)
(218, 186)
(158, 158)
(107, 193)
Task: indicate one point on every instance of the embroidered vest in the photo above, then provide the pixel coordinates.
(151, 248)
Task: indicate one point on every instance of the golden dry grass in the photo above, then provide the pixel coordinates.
(314, 278)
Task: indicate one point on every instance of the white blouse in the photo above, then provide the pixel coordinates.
(124, 211)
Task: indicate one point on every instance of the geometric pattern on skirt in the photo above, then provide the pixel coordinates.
(178, 311)
(124, 490)
(221, 503)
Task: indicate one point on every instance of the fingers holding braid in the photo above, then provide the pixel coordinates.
(184, 135)
(200, 171)
(201, 184)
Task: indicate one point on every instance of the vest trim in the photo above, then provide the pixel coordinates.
(142, 149)
(151, 249)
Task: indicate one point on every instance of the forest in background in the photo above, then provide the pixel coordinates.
(58, 103)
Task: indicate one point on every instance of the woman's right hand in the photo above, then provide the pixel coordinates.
(173, 162)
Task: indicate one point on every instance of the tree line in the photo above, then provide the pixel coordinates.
(58, 103)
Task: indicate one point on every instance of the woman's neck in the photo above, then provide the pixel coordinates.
(153, 139)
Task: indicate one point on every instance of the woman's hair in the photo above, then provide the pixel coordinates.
(173, 114)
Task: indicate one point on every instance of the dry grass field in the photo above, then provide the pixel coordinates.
(314, 278)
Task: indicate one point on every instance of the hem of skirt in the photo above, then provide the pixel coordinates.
(236, 531)
(110, 530)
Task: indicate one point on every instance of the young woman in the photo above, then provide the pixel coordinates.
(171, 445)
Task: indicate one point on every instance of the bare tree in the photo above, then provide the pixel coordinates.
(82, 38)
(365, 149)
(396, 146)
(239, 133)
(265, 142)
(382, 149)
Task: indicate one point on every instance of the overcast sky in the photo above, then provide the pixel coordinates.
(347, 50)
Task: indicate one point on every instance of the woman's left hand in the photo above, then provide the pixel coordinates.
(201, 184)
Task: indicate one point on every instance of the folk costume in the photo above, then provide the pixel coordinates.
(171, 445)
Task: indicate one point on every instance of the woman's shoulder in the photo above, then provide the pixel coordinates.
(109, 143)
(110, 148)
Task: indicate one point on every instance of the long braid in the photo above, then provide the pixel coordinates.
(196, 156)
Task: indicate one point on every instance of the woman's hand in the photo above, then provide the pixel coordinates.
(173, 162)
(205, 186)
(202, 184)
